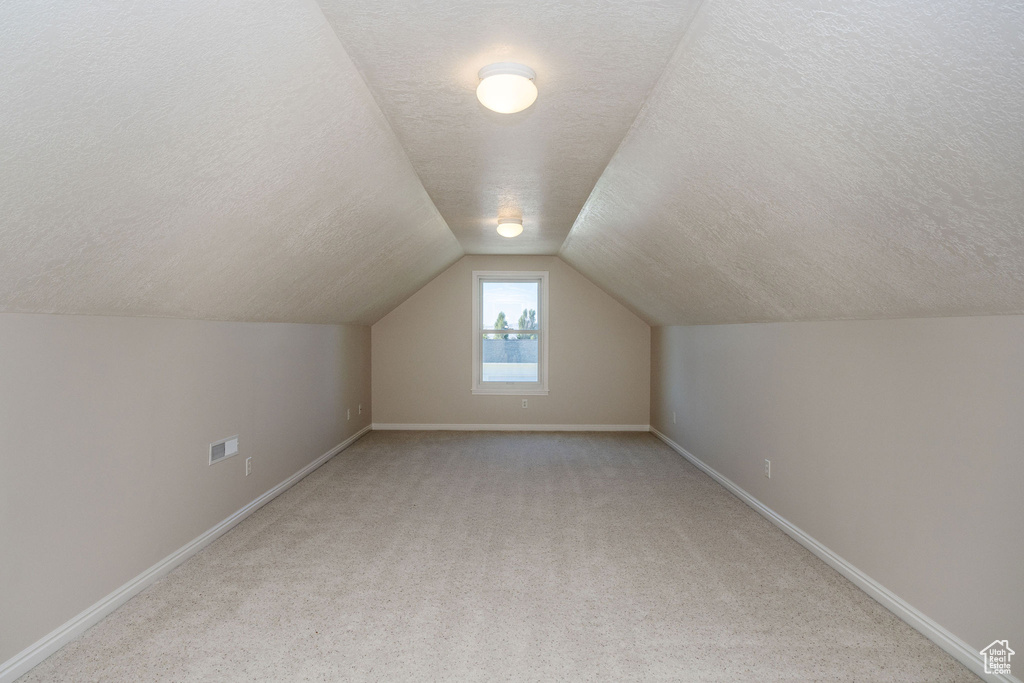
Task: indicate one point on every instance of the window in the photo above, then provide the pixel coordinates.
(510, 332)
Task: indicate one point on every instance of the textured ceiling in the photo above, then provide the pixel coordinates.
(820, 160)
(596, 61)
(794, 160)
(201, 159)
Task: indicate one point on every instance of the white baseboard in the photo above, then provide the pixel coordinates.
(510, 428)
(46, 646)
(934, 632)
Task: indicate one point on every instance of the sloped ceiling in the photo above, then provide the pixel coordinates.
(200, 159)
(596, 61)
(818, 160)
(795, 159)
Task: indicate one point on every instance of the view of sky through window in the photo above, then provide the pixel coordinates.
(510, 298)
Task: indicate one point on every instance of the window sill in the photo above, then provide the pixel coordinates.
(510, 392)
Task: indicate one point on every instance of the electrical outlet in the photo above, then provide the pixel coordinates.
(248, 466)
(673, 417)
(768, 468)
(348, 414)
(524, 403)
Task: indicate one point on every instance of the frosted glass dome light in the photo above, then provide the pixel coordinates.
(510, 227)
(506, 87)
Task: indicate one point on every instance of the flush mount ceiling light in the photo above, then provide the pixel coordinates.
(510, 227)
(506, 87)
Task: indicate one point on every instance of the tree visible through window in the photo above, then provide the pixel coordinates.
(501, 323)
(528, 321)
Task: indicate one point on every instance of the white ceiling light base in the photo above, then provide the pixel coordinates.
(510, 227)
(506, 87)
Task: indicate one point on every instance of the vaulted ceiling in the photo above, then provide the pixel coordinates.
(820, 160)
(595, 62)
(199, 159)
(703, 162)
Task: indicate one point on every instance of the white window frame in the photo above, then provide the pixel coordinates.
(539, 388)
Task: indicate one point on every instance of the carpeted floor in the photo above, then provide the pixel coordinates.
(503, 556)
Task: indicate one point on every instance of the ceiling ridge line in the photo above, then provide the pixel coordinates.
(387, 119)
(684, 41)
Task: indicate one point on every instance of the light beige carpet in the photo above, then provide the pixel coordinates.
(503, 556)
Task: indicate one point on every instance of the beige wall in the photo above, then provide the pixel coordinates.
(898, 444)
(105, 426)
(599, 356)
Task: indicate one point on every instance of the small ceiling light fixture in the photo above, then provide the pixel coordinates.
(506, 87)
(510, 227)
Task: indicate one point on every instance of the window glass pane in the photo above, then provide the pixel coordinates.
(509, 305)
(509, 358)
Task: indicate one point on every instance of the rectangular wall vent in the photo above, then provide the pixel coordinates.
(223, 449)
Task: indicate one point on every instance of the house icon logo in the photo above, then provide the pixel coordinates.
(997, 657)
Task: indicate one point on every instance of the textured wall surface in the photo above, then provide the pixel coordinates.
(105, 427)
(895, 443)
(598, 357)
(817, 160)
(596, 61)
(192, 159)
